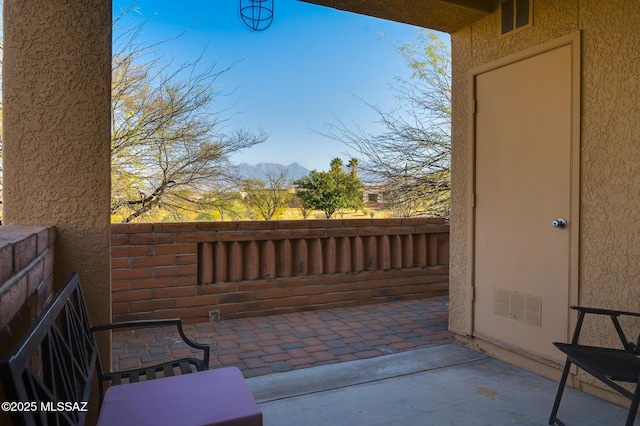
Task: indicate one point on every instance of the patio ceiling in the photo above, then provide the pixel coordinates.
(442, 15)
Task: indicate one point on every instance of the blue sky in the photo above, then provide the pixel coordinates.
(290, 80)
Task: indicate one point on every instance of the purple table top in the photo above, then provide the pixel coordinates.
(213, 397)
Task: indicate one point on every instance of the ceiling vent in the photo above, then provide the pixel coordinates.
(516, 15)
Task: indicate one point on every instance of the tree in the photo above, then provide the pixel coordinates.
(353, 167)
(268, 198)
(330, 191)
(411, 157)
(336, 165)
(169, 147)
(221, 206)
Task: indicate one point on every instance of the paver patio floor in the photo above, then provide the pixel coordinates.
(279, 343)
(427, 381)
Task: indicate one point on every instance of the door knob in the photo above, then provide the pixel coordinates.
(559, 223)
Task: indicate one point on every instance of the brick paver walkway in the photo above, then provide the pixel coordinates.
(278, 343)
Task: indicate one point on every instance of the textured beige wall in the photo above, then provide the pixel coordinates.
(460, 260)
(610, 147)
(56, 94)
(610, 224)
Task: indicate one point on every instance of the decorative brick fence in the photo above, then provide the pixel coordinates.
(26, 278)
(209, 270)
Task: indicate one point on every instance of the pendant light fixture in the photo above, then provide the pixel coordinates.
(257, 14)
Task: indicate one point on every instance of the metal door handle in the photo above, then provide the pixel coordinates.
(559, 223)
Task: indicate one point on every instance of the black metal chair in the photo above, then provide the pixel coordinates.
(55, 360)
(609, 365)
(166, 369)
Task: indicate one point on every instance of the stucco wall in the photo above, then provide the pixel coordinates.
(56, 100)
(610, 147)
(610, 224)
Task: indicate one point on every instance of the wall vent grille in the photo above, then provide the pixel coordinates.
(518, 306)
(516, 15)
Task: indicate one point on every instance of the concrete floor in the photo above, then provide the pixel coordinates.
(443, 385)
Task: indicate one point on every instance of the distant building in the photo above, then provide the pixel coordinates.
(373, 194)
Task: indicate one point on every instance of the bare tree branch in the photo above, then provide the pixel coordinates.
(170, 147)
(411, 158)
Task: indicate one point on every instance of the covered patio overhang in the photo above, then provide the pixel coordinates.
(442, 15)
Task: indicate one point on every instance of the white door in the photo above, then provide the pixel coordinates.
(523, 193)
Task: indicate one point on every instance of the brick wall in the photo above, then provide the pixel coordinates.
(237, 269)
(26, 278)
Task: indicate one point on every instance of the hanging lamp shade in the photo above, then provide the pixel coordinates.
(257, 14)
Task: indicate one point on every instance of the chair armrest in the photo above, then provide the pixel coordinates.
(599, 311)
(157, 323)
(613, 314)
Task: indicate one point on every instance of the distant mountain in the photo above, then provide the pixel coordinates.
(263, 170)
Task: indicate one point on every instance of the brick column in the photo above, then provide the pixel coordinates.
(407, 251)
(357, 254)
(205, 270)
(267, 259)
(315, 257)
(370, 253)
(420, 250)
(432, 250)
(235, 261)
(283, 259)
(443, 249)
(329, 255)
(343, 255)
(395, 249)
(251, 261)
(384, 256)
(300, 257)
(220, 261)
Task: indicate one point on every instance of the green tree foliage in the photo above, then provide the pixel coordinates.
(270, 198)
(169, 147)
(410, 159)
(336, 165)
(330, 191)
(221, 206)
(353, 167)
